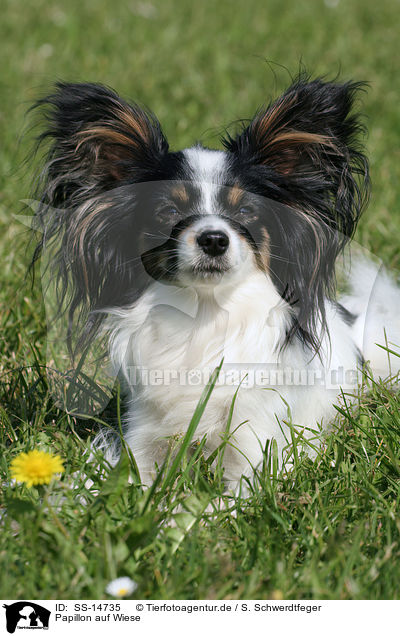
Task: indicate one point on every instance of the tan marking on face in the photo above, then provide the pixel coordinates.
(179, 192)
(235, 194)
(188, 235)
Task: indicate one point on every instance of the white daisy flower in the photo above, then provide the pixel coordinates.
(123, 586)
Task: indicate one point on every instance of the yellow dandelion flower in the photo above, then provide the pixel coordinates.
(36, 467)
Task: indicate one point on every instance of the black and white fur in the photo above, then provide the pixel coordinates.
(187, 257)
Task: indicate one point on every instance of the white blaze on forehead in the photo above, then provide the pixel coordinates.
(211, 222)
(208, 167)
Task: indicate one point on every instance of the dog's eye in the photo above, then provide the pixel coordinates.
(167, 213)
(247, 214)
(246, 211)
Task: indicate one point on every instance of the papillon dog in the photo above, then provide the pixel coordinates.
(190, 258)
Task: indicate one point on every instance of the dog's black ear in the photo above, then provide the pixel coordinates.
(304, 149)
(100, 148)
(99, 142)
(309, 137)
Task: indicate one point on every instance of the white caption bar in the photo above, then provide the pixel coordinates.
(193, 617)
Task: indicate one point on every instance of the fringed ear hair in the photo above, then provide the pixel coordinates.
(99, 141)
(99, 144)
(302, 150)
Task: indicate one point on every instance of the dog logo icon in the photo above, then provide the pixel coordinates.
(26, 615)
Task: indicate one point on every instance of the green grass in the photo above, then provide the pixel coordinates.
(329, 528)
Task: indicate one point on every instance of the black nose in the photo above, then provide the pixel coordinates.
(213, 242)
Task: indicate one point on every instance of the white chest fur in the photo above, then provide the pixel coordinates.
(171, 340)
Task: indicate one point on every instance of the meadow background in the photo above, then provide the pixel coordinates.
(330, 529)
